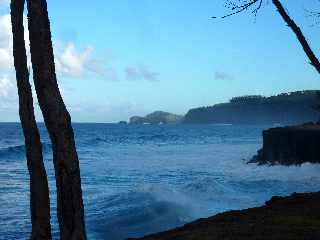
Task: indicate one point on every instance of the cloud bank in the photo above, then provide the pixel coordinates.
(70, 62)
(4, 2)
(140, 72)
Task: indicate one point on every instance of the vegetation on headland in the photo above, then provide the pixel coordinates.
(285, 108)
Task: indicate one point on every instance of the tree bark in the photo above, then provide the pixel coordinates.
(39, 192)
(314, 61)
(58, 122)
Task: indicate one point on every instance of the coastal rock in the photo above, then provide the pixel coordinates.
(292, 145)
(156, 117)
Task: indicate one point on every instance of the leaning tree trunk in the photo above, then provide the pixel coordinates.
(39, 192)
(314, 61)
(58, 123)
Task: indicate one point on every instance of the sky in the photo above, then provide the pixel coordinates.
(120, 58)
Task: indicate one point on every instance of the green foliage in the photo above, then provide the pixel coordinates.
(293, 107)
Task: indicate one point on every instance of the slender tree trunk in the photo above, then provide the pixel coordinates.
(39, 192)
(314, 61)
(58, 123)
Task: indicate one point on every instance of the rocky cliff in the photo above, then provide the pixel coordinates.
(290, 145)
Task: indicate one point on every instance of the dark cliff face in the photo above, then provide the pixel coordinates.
(290, 145)
(291, 108)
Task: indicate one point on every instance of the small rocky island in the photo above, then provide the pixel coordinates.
(157, 117)
(292, 145)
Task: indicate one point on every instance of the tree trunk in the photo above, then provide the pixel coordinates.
(58, 123)
(39, 192)
(314, 61)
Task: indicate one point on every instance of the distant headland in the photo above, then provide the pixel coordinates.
(285, 109)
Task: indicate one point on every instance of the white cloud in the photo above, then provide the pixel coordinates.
(71, 62)
(4, 2)
(6, 60)
(8, 94)
(141, 72)
(6, 87)
(5, 31)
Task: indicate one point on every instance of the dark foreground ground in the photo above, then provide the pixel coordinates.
(294, 217)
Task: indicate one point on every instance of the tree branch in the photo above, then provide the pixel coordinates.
(314, 61)
(243, 7)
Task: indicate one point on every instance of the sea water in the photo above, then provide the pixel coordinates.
(140, 179)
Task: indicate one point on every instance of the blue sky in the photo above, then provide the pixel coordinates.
(122, 58)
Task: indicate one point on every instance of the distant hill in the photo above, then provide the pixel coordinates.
(157, 117)
(286, 108)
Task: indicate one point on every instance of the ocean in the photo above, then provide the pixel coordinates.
(140, 179)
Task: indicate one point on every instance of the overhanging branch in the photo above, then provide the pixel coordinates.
(314, 61)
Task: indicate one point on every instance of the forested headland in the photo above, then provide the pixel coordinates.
(285, 108)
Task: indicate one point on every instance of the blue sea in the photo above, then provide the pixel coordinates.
(140, 179)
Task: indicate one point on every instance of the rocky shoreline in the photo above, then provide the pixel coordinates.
(283, 218)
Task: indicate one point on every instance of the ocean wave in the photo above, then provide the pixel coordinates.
(18, 151)
(208, 186)
(158, 138)
(134, 139)
(12, 151)
(136, 213)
